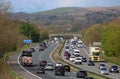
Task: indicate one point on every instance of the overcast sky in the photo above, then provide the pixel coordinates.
(43, 5)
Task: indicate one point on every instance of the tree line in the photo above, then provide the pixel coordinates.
(13, 32)
(108, 34)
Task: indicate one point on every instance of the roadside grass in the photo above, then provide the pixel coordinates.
(56, 57)
(5, 70)
(115, 60)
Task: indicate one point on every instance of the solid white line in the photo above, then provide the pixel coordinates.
(27, 70)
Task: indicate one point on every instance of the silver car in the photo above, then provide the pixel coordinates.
(104, 71)
(49, 66)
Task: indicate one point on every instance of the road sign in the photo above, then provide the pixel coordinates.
(27, 41)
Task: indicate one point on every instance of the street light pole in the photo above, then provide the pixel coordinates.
(29, 24)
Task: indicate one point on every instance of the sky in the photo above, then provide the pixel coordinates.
(31, 6)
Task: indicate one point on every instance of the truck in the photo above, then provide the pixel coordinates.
(94, 53)
(26, 58)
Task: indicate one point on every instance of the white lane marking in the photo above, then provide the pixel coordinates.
(27, 70)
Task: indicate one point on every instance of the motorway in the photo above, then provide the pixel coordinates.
(95, 68)
(45, 55)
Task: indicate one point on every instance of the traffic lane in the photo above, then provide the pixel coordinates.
(36, 59)
(94, 69)
(68, 75)
(43, 55)
(108, 64)
(46, 56)
(112, 75)
(43, 76)
(83, 52)
(16, 67)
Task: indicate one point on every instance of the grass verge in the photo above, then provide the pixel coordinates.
(5, 70)
(115, 60)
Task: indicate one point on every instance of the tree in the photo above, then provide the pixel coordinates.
(5, 7)
(43, 35)
(111, 40)
(29, 31)
(93, 34)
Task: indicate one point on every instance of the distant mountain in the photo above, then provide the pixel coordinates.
(74, 18)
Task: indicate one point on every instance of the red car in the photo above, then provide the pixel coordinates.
(66, 53)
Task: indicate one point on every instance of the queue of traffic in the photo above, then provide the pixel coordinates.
(71, 53)
(26, 56)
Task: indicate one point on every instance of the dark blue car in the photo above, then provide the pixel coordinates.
(91, 63)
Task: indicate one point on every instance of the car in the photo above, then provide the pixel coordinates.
(114, 68)
(41, 48)
(80, 44)
(66, 53)
(78, 60)
(67, 68)
(76, 52)
(67, 48)
(32, 49)
(81, 74)
(59, 70)
(88, 78)
(68, 41)
(43, 63)
(91, 63)
(58, 64)
(104, 71)
(68, 56)
(49, 66)
(102, 65)
(40, 70)
(43, 44)
(84, 59)
(72, 58)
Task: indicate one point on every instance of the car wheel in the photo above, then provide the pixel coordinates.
(43, 72)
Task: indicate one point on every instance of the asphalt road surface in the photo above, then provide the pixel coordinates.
(45, 55)
(95, 68)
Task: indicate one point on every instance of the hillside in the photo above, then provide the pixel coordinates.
(73, 18)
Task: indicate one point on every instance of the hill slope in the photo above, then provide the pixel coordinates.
(73, 18)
